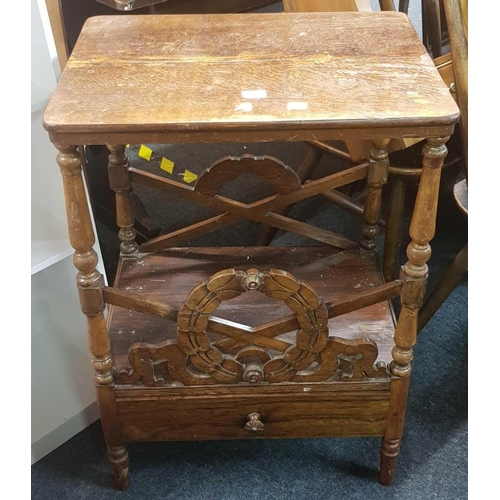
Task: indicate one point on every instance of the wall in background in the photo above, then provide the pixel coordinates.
(62, 392)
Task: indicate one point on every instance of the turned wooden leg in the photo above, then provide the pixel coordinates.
(118, 457)
(377, 177)
(391, 441)
(304, 173)
(90, 283)
(414, 277)
(119, 181)
(451, 279)
(95, 162)
(394, 230)
(388, 460)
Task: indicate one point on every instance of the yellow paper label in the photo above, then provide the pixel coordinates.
(145, 152)
(189, 176)
(167, 165)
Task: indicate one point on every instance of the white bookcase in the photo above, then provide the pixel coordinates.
(62, 393)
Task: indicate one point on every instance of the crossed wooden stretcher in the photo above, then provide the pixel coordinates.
(285, 181)
(289, 189)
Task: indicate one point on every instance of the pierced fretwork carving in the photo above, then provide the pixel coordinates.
(195, 360)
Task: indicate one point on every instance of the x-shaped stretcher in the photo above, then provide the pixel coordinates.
(264, 210)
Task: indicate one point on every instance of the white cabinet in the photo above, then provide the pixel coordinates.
(62, 393)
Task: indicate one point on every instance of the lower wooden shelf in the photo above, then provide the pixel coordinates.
(169, 276)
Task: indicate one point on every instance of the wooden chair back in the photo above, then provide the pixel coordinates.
(457, 18)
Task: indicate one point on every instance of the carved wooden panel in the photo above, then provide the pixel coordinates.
(194, 359)
(282, 178)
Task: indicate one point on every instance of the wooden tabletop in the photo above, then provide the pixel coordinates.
(249, 77)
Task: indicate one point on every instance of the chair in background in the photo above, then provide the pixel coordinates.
(456, 16)
(357, 151)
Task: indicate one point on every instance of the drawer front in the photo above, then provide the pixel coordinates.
(204, 418)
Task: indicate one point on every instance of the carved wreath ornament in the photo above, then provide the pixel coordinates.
(195, 360)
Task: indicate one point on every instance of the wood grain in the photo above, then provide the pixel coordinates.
(304, 173)
(312, 188)
(348, 303)
(351, 301)
(294, 414)
(414, 278)
(394, 430)
(124, 67)
(313, 357)
(119, 182)
(377, 178)
(298, 77)
(259, 211)
(211, 182)
(90, 283)
(169, 277)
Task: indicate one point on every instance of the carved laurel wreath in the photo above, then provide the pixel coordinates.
(312, 316)
(194, 359)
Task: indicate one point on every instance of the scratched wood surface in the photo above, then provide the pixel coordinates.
(169, 276)
(158, 76)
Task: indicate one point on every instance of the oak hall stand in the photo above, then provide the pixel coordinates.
(222, 343)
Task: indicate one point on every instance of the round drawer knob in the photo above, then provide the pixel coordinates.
(254, 423)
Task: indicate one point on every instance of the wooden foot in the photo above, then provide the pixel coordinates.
(118, 457)
(388, 460)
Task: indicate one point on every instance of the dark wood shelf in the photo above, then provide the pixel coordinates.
(169, 276)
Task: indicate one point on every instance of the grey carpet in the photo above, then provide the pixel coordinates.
(433, 461)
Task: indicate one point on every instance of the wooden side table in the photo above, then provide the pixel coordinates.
(222, 343)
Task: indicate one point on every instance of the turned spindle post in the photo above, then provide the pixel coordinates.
(377, 177)
(119, 181)
(414, 278)
(90, 283)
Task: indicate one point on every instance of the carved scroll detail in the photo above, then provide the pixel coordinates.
(195, 360)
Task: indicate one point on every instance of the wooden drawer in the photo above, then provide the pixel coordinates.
(361, 413)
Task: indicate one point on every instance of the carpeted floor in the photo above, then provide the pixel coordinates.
(433, 461)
